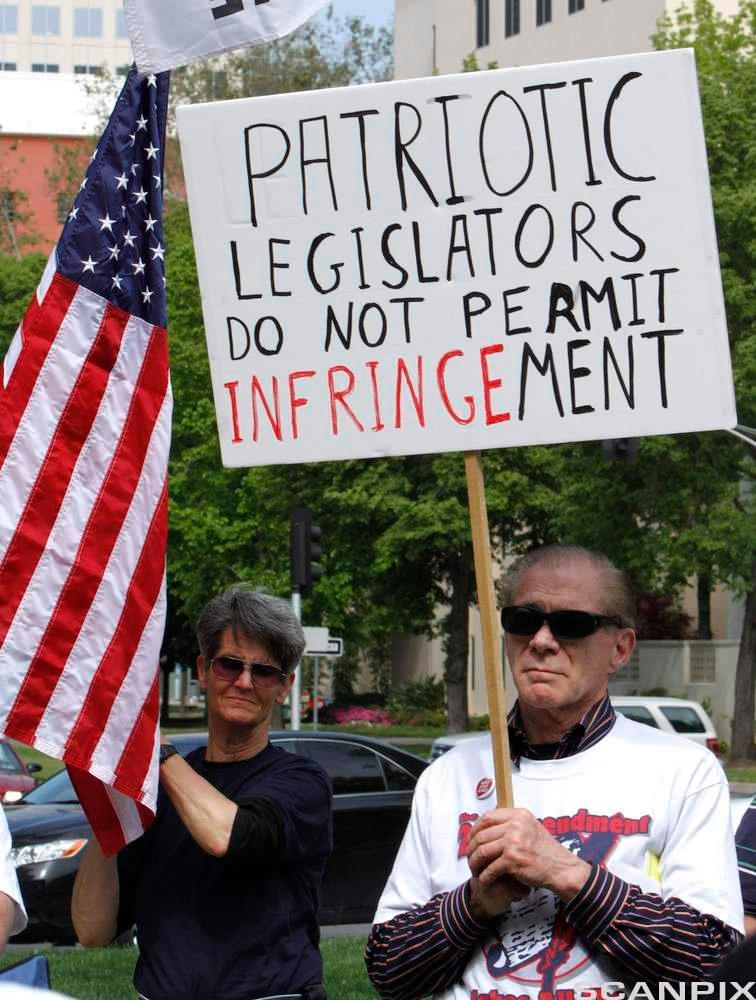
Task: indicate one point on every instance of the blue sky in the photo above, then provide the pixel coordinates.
(375, 11)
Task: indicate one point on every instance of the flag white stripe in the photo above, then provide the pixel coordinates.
(105, 611)
(51, 392)
(31, 620)
(131, 697)
(12, 355)
(47, 276)
(127, 813)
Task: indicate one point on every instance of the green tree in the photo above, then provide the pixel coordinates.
(18, 280)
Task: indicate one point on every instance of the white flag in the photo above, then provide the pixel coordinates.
(171, 33)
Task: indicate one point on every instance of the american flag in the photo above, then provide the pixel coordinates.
(85, 414)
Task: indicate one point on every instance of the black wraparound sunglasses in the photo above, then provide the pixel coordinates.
(229, 668)
(520, 619)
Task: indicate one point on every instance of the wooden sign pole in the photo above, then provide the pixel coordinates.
(476, 492)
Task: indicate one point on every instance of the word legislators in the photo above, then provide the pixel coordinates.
(474, 387)
(639, 991)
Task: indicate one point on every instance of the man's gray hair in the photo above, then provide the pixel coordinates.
(256, 616)
(618, 599)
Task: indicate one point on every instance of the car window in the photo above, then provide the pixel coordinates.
(351, 768)
(397, 779)
(683, 718)
(8, 760)
(56, 790)
(293, 746)
(638, 714)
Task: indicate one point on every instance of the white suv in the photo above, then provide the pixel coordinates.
(673, 715)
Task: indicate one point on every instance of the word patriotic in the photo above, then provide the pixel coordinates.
(85, 412)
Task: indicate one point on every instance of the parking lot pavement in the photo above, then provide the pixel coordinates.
(346, 930)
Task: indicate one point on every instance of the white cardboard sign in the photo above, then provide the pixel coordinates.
(463, 262)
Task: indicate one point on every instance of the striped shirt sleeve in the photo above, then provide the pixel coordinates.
(652, 938)
(425, 949)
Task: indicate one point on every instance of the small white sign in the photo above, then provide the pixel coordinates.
(502, 258)
(316, 640)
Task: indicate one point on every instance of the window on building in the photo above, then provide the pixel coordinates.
(45, 67)
(8, 19)
(88, 22)
(8, 67)
(483, 33)
(121, 29)
(543, 12)
(8, 205)
(573, 6)
(122, 70)
(512, 18)
(63, 203)
(80, 69)
(45, 20)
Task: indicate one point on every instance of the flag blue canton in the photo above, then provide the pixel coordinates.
(112, 242)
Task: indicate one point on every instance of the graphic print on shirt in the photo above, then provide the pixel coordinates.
(533, 943)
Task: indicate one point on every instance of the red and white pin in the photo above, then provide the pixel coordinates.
(484, 788)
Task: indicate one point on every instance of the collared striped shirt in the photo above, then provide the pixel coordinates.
(426, 950)
(745, 844)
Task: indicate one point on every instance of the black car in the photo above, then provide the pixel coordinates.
(373, 784)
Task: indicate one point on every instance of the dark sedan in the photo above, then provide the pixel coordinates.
(373, 784)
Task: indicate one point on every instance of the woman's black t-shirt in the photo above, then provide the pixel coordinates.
(244, 925)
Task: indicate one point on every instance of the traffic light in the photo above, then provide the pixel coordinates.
(620, 449)
(305, 551)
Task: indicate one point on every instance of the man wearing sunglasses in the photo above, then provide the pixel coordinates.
(617, 864)
(224, 886)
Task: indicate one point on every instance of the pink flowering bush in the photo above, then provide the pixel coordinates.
(356, 715)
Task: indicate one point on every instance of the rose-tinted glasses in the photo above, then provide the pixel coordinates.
(229, 668)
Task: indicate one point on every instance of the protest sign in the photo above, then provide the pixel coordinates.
(484, 260)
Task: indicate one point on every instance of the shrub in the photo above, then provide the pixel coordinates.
(435, 717)
(355, 715)
(479, 723)
(418, 696)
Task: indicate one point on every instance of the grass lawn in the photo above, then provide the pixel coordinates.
(106, 972)
(741, 773)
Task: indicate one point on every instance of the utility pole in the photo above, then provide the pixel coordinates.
(304, 553)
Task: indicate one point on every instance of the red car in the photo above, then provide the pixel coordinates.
(15, 776)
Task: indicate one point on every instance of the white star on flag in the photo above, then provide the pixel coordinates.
(106, 223)
(89, 264)
(123, 182)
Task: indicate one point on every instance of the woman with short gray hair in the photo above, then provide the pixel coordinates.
(224, 886)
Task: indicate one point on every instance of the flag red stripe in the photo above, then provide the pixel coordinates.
(40, 328)
(136, 758)
(140, 599)
(103, 527)
(42, 506)
(100, 810)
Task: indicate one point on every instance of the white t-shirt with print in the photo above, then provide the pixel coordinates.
(650, 807)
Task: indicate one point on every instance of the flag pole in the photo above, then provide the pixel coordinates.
(476, 493)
